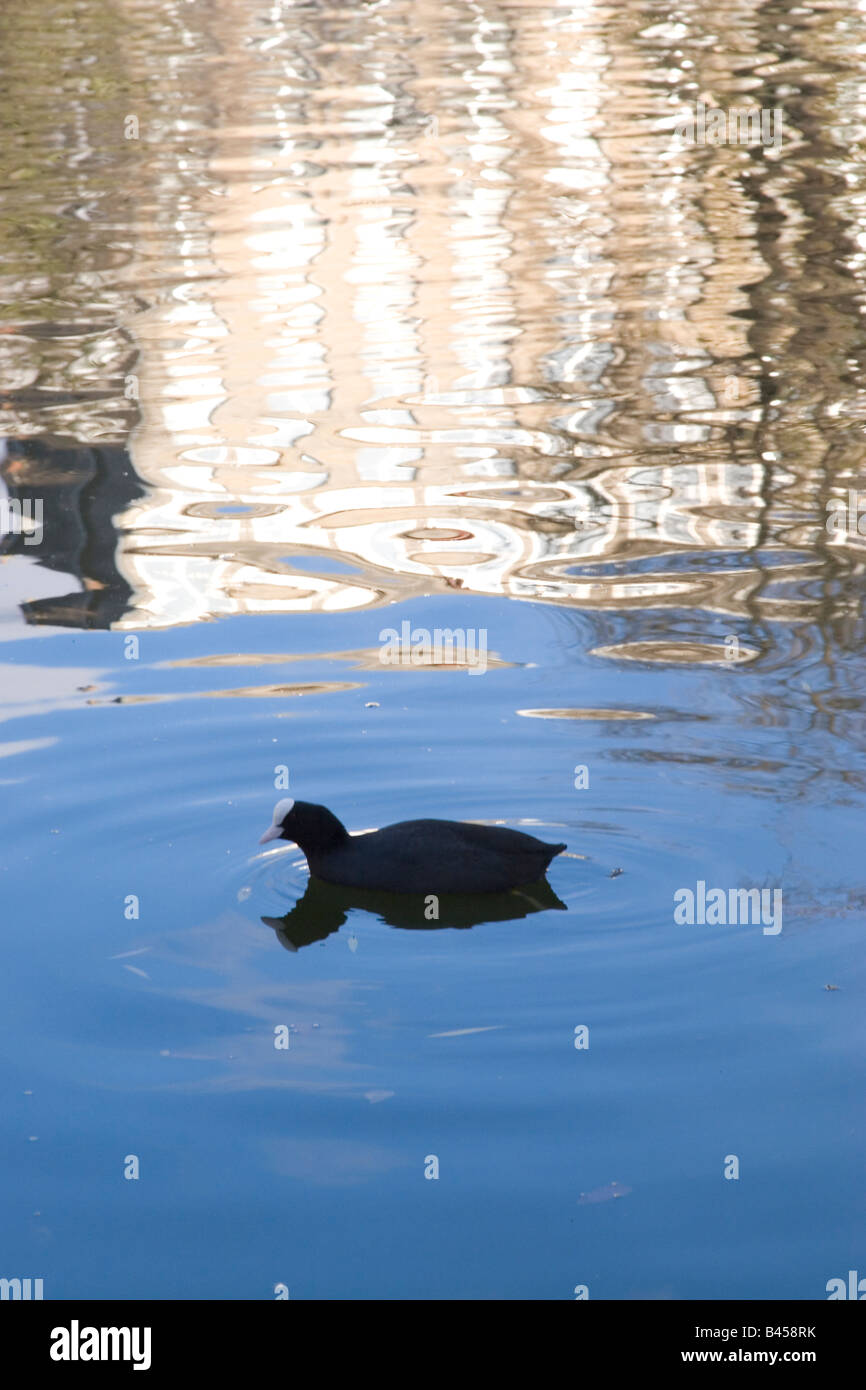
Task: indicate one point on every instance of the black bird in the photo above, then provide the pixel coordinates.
(414, 856)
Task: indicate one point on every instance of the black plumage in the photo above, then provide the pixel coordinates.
(413, 856)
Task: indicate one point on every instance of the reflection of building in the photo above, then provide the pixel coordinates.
(412, 315)
(412, 338)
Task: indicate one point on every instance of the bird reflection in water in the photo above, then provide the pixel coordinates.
(325, 907)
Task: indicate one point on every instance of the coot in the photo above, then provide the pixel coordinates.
(414, 856)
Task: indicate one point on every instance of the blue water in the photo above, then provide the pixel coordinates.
(316, 320)
(154, 1036)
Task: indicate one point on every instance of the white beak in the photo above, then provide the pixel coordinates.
(273, 832)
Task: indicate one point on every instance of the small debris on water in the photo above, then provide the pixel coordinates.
(609, 1193)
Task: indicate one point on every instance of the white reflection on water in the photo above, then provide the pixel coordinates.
(371, 281)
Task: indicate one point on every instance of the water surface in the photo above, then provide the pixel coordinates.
(318, 320)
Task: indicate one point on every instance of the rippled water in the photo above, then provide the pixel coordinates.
(323, 320)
